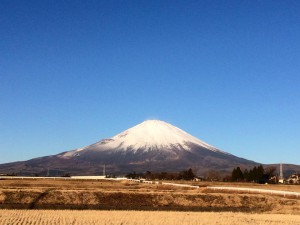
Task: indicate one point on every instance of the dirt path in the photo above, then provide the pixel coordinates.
(256, 190)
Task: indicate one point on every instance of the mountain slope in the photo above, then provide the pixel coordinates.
(152, 145)
(148, 136)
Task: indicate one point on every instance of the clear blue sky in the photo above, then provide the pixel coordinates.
(74, 72)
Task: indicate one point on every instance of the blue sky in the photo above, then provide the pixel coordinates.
(74, 72)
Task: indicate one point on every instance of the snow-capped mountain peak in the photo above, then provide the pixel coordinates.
(152, 145)
(148, 135)
(155, 133)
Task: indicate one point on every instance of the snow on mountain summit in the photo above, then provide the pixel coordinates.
(148, 135)
(155, 133)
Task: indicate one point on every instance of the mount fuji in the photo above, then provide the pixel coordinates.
(149, 136)
(153, 145)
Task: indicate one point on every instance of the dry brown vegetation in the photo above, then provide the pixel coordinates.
(89, 217)
(125, 195)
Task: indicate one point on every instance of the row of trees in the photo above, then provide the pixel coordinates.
(183, 175)
(256, 174)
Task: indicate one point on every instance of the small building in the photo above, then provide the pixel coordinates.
(281, 181)
(88, 177)
(199, 178)
(273, 180)
(294, 179)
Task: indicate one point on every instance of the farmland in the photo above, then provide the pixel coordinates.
(126, 202)
(89, 217)
(126, 195)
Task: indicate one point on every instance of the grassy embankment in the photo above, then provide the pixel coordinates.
(124, 195)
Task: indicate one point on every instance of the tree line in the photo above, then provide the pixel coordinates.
(256, 174)
(183, 175)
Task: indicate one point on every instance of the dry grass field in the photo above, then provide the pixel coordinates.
(90, 217)
(126, 195)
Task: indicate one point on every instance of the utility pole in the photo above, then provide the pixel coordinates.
(104, 170)
(281, 178)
